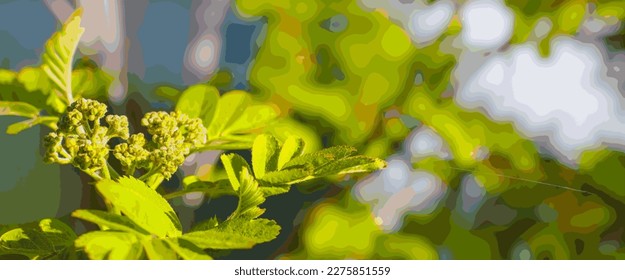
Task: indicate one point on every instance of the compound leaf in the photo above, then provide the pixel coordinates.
(349, 165)
(186, 249)
(110, 245)
(254, 116)
(58, 57)
(265, 152)
(235, 234)
(211, 189)
(42, 238)
(292, 147)
(142, 205)
(199, 101)
(320, 158)
(26, 124)
(229, 107)
(288, 176)
(234, 164)
(16, 108)
(250, 197)
(109, 220)
(158, 249)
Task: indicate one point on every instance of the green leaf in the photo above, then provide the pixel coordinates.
(292, 147)
(26, 124)
(110, 245)
(349, 165)
(14, 108)
(230, 107)
(264, 155)
(259, 230)
(142, 205)
(287, 176)
(199, 101)
(320, 158)
(254, 117)
(274, 190)
(59, 55)
(186, 249)
(112, 221)
(234, 164)
(210, 189)
(235, 234)
(42, 238)
(218, 239)
(206, 224)
(250, 197)
(158, 249)
(225, 145)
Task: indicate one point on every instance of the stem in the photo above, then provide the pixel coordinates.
(65, 154)
(87, 129)
(105, 170)
(93, 175)
(131, 170)
(155, 181)
(147, 175)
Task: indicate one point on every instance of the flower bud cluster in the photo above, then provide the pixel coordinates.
(174, 135)
(82, 140)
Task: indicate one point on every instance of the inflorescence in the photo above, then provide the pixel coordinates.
(82, 140)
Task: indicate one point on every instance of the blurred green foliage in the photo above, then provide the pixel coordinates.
(357, 77)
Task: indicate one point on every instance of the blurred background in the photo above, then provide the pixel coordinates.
(503, 122)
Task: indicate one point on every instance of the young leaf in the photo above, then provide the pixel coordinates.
(112, 221)
(187, 250)
(235, 234)
(199, 101)
(250, 197)
(26, 124)
(229, 108)
(288, 176)
(254, 116)
(293, 147)
(320, 158)
(158, 249)
(218, 239)
(41, 238)
(15, 108)
(348, 165)
(142, 205)
(274, 190)
(58, 57)
(234, 164)
(258, 230)
(264, 155)
(210, 189)
(110, 245)
(225, 145)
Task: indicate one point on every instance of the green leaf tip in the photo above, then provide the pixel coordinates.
(265, 152)
(234, 164)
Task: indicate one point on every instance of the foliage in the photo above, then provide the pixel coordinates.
(371, 85)
(140, 222)
(330, 72)
(52, 86)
